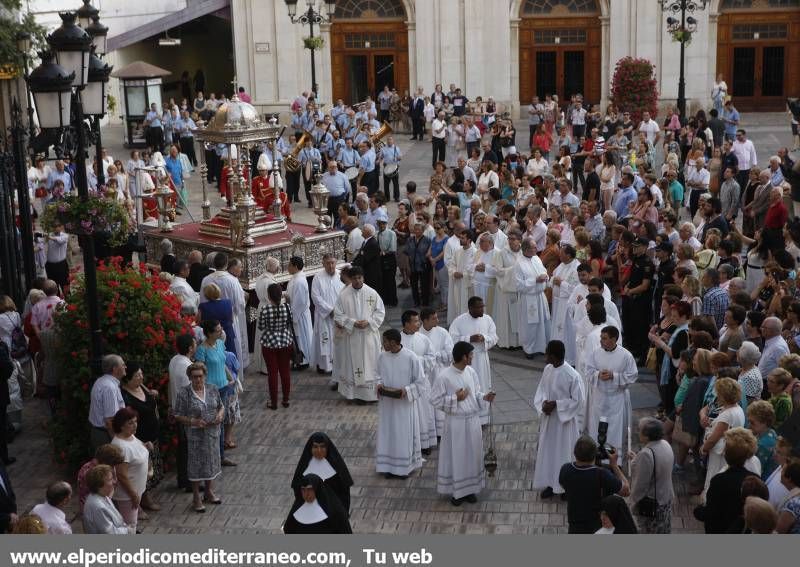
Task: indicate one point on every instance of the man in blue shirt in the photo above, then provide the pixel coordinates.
(368, 170)
(730, 116)
(338, 185)
(184, 126)
(175, 170)
(627, 195)
(59, 174)
(391, 156)
(154, 129)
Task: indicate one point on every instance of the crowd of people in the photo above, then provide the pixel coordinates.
(619, 243)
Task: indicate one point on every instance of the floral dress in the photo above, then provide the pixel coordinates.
(202, 442)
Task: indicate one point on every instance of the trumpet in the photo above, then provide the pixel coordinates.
(291, 161)
(360, 105)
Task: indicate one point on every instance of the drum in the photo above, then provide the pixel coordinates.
(390, 170)
(351, 173)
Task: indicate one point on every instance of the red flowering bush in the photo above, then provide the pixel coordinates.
(139, 320)
(634, 88)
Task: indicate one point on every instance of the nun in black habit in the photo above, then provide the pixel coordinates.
(320, 457)
(317, 511)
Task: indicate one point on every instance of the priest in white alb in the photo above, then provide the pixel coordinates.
(263, 282)
(413, 340)
(564, 280)
(442, 344)
(459, 274)
(300, 304)
(611, 370)
(534, 313)
(231, 289)
(579, 292)
(559, 400)
(479, 330)
(325, 289)
(398, 452)
(506, 297)
(358, 316)
(484, 279)
(458, 393)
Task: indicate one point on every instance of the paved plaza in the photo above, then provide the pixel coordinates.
(257, 495)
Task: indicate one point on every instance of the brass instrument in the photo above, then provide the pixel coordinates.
(291, 162)
(376, 138)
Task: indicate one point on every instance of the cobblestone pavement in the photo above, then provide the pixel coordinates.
(256, 493)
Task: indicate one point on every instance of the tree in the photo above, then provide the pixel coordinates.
(10, 26)
(634, 88)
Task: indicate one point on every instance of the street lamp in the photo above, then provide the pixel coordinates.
(99, 33)
(681, 24)
(52, 85)
(85, 14)
(311, 17)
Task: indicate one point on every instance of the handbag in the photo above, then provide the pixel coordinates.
(647, 506)
(651, 362)
(297, 354)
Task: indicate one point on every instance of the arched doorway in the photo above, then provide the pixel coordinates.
(560, 49)
(758, 49)
(369, 48)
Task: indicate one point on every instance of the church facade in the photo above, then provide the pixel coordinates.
(514, 49)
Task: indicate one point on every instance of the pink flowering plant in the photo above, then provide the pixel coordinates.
(634, 88)
(86, 217)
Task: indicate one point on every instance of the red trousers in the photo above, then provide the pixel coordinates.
(278, 362)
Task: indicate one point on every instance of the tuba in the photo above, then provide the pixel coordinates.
(291, 161)
(376, 138)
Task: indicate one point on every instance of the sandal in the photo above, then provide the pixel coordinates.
(214, 501)
(230, 445)
(199, 508)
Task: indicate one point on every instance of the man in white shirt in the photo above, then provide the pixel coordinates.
(745, 153)
(181, 287)
(537, 230)
(564, 195)
(578, 120)
(56, 265)
(697, 181)
(438, 135)
(650, 128)
(469, 173)
(51, 512)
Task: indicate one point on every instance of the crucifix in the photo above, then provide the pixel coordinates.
(371, 302)
(359, 373)
(235, 84)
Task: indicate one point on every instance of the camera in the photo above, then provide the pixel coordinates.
(604, 450)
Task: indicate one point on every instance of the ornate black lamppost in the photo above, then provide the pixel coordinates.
(311, 17)
(682, 24)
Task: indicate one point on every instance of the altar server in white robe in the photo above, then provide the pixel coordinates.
(559, 400)
(413, 340)
(588, 342)
(398, 452)
(596, 286)
(325, 289)
(459, 273)
(534, 313)
(262, 284)
(564, 280)
(484, 278)
(458, 393)
(505, 312)
(231, 289)
(479, 330)
(611, 370)
(578, 293)
(300, 303)
(442, 344)
(358, 315)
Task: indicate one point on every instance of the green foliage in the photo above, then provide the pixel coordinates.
(634, 88)
(96, 214)
(111, 102)
(10, 56)
(313, 42)
(139, 320)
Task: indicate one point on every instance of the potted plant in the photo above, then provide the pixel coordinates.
(86, 217)
(682, 36)
(313, 43)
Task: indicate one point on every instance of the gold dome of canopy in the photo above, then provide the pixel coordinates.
(235, 114)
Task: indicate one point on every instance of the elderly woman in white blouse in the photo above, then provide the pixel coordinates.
(537, 165)
(100, 516)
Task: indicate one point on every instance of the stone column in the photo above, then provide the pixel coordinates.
(513, 64)
(606, 66)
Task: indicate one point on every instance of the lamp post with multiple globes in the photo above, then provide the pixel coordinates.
(682, 24)
(311, 16)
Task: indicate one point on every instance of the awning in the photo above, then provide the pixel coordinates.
(193, 11)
